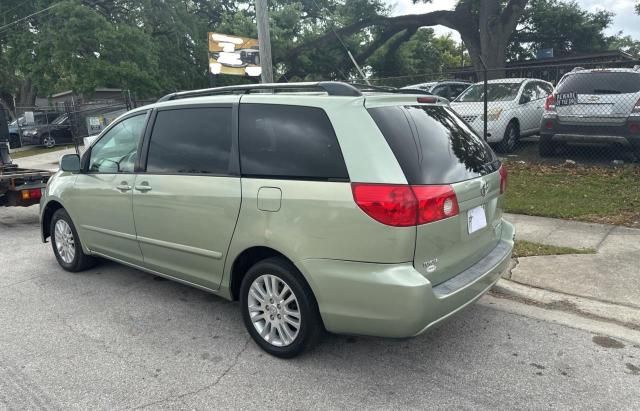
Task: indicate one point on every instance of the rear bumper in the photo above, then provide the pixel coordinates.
(592, 133)
(395, 300)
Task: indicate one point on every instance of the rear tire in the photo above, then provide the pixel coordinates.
(14, 141)
(510, 139)
(546, 146)
(66, 244)
(279, 309)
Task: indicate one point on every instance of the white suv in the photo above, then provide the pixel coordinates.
(515, 109)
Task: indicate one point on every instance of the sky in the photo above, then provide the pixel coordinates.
(625, 18)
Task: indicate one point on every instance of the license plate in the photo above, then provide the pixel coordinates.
(476, 219)
(566, 99)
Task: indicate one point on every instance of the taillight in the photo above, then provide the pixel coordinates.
(550, 103)
(427, 100)
(32, 194)
(404, 205)
(636, 108)
(435, 203)
(503, 179)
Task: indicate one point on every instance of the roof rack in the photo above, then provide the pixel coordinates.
(332, 88)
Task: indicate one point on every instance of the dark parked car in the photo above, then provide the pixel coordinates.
(19, 126)
(49, 135)
(449, 89)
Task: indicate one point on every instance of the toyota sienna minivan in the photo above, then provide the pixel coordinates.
(317, 206)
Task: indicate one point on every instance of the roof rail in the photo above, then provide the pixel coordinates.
(332, 88)
(387, 89)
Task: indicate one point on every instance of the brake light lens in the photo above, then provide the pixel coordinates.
(636, 108)
(427, 100)
(504, 177)
(550, 103)
(404, 205)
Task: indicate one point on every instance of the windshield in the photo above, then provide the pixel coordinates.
(495, 92)
(60, 120)
(601, 82)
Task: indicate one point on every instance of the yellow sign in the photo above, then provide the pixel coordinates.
(233, 55)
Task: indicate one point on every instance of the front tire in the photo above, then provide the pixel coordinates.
(278, 308)
(510, 139)
(66, 244)
(48, 141)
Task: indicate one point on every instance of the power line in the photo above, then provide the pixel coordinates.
(27, 17)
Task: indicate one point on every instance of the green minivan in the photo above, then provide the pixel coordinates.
(317, 206)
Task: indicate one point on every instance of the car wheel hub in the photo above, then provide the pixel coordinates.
(65, 243)
(274, 310)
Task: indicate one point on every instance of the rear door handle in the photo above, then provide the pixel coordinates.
(144, 187)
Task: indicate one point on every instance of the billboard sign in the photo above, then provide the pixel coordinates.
(233, 55)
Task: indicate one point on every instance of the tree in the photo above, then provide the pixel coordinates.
(485, 27)
(562, 26)
(423, 57)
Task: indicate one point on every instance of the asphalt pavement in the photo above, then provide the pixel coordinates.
(117, 338)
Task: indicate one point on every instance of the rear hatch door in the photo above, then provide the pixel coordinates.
(598, 97)
(435, 147)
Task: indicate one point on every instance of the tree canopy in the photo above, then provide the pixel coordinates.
(151, 47)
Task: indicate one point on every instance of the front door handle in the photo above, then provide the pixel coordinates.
(144, 187)
(124, 186)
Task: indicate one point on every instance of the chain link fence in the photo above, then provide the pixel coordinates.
(547, 113)
(65, 122)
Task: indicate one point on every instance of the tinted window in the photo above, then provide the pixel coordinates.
(600, 83)
(432, 145)
(191, 140)
(289, 142)
(442, 91)
(117, 150)
(457, 89)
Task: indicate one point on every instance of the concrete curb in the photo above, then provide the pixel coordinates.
(624, 316)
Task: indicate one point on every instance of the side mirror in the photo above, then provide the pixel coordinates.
(70, 163)
(525, 99)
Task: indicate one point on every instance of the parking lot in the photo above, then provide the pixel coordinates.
(117, 338)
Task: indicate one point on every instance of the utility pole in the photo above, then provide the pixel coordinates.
(264, 41)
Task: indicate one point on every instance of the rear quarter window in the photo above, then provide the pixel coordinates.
(433, 145)
(289, 142)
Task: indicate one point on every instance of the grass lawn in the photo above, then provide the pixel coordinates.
(597, 194)
(529, 249)
(37, 150)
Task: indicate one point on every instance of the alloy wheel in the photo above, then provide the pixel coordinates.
(48, 141)
(274, 310)
(65, 242)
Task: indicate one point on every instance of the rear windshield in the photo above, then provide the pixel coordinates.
(495, 92)
(433, 145)
(600, 83)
